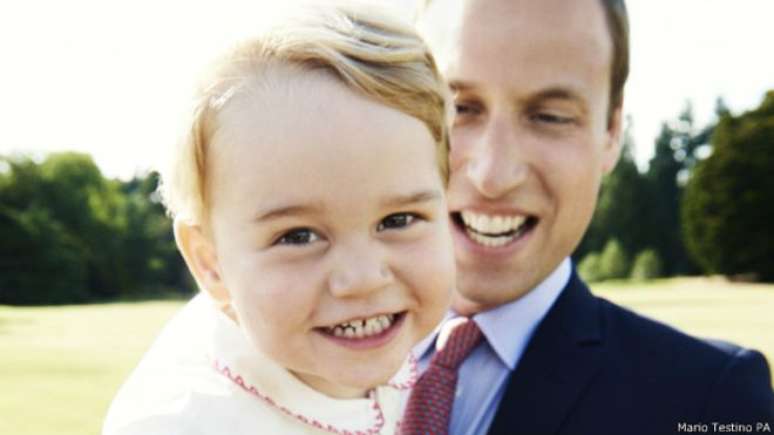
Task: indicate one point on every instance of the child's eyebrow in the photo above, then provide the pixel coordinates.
(413, 198)
(306, 209)
(284, 211)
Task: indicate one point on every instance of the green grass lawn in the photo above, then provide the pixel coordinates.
(704, 307)
(60, 366)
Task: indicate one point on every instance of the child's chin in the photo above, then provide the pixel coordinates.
(369, 377)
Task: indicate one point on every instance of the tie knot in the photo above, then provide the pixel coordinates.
(463, 336)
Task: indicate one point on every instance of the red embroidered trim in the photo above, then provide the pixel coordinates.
(408, 384)
(237, 379)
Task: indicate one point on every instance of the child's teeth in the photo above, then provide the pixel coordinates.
(374, 325)
(363, 327)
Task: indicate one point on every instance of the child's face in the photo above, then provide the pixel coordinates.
(328, 208)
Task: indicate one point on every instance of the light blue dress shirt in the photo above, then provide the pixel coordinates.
(484, 375)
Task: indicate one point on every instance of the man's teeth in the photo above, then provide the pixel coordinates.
(490, 242)
(492, 231)
(492, 225)
(363, 327)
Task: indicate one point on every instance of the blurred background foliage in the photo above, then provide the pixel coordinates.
(703, 205)
(69, 235)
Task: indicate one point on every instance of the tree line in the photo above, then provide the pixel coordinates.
(703, 206)
(70, 235)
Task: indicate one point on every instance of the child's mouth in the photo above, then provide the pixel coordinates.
(364, 328)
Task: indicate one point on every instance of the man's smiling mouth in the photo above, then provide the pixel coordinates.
(493, 231)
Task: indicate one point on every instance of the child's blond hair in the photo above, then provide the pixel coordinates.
(374, 54)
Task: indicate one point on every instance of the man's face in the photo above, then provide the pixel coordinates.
(531, 138)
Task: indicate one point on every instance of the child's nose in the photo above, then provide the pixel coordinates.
(358, 272)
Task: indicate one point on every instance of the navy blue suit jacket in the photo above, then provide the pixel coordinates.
(595, 368)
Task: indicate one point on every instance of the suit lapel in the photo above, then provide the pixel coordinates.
(563, 356)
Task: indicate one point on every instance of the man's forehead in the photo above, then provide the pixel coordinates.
(466, 34)
(444, 22)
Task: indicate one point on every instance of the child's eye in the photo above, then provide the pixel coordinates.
(299, 236)
(397, 221)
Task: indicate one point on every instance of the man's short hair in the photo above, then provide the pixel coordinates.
(618, 24)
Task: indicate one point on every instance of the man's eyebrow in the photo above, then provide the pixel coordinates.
(287, 211)
(461, 86)
(556, 93)
(551, 93)
(413, 198)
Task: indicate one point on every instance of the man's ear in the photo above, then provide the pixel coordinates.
(199, 253)
(612, 145)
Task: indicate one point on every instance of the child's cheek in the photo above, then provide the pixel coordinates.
(428, 265)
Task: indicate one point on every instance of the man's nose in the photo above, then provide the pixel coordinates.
(358, 269)
(497, 164)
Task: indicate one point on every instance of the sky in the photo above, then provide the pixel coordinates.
(111, 78)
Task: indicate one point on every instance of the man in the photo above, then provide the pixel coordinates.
(538, 89)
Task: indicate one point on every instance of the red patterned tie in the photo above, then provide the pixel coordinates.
(430, 404)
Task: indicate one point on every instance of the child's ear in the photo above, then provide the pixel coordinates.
(199, 253)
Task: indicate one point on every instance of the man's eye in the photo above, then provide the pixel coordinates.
(463, 109)
(550, 118)
(397, 221)
(300, 236)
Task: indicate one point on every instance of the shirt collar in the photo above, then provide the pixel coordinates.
(509, 327)
(234, 357)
